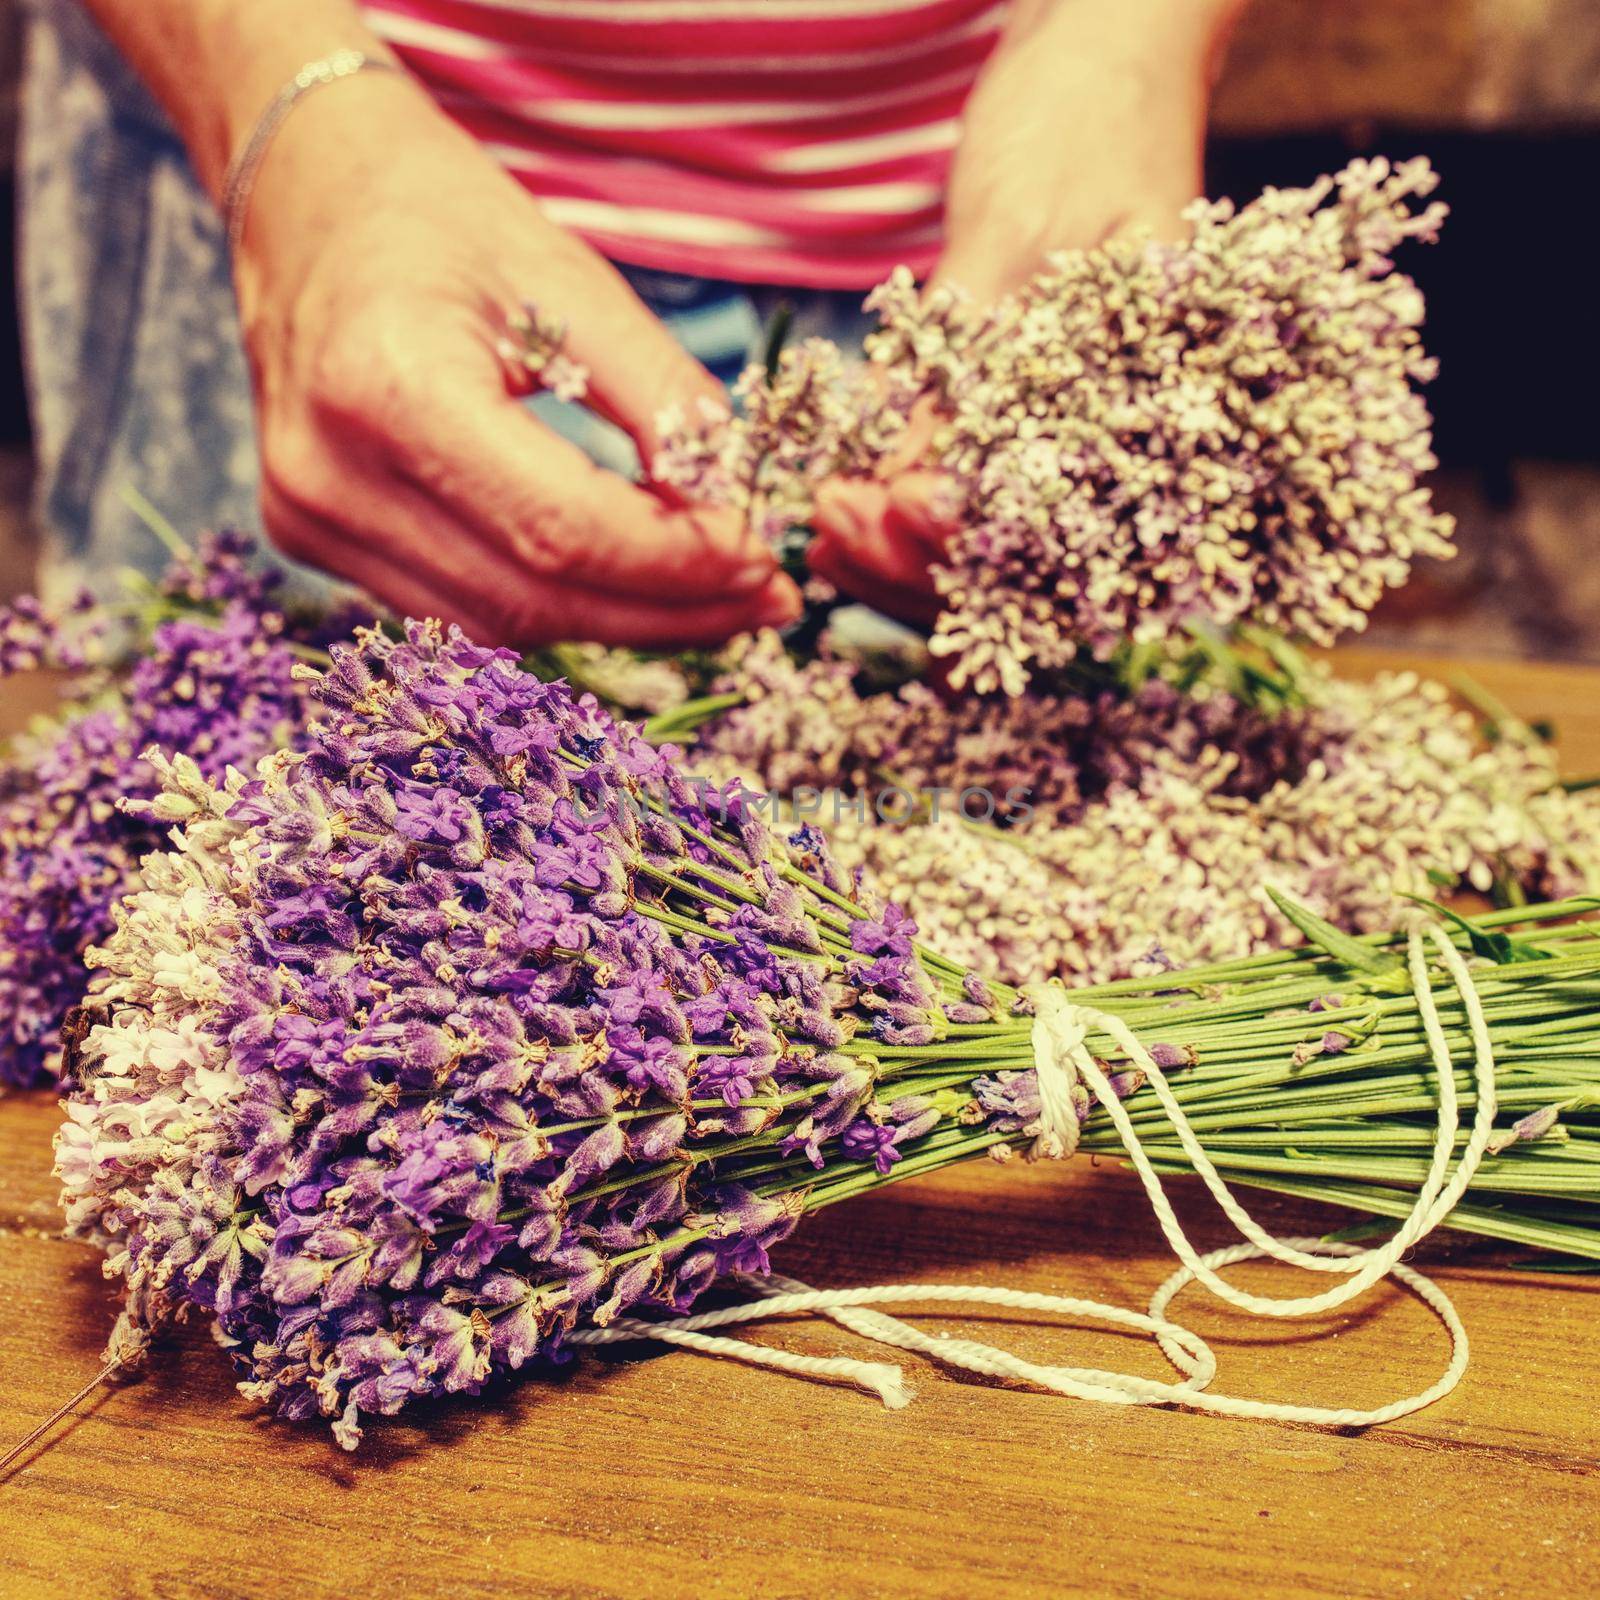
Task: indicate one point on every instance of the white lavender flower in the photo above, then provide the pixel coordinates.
(1145, 436)
(1153, 821)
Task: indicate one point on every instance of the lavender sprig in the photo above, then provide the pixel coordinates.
(1146, 436)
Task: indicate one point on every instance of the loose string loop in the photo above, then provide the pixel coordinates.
(1434, 1201)
(1067, 1072)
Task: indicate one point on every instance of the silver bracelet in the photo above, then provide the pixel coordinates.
(242, 170)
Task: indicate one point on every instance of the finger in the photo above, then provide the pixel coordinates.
(555, 614)
(433, 407)
(831, 560)
(927, 505)
(535, 496)
(856, 517)
(425, 567)
(637, 370)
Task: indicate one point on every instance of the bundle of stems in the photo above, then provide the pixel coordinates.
(1308, 1072)
(1352, 1119)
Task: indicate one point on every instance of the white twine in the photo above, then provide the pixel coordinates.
(1064, 1062)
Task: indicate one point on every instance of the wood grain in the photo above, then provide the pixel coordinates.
(1318, 65)
(682, 1476)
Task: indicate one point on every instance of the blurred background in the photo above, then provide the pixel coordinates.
(1504, 97)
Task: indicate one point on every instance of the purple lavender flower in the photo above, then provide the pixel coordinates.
(32, 636)
(871, 1141)
(217, 686)
(473, 1036)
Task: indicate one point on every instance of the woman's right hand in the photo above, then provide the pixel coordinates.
(382, 251)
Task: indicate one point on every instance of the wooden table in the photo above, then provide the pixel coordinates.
(685, 1476)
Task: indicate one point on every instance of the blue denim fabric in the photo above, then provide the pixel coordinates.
(136, 375)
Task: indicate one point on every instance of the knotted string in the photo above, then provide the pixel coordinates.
(1066, 1070)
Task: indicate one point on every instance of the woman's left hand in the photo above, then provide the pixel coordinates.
(1089, 119)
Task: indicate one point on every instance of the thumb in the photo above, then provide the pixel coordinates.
(928, 505)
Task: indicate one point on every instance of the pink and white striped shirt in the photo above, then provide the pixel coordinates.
(800, 142)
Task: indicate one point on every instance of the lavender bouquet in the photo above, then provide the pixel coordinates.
(471, 1029)
(1145, 436)
(208, 670)
(1152, 797)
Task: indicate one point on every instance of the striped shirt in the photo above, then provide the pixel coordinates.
(766, 141)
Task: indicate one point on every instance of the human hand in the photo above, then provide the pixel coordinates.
(382, 251)
(1088, 120)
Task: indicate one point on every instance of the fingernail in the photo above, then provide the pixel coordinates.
(929, 506)
(780, 606)
(755, 572)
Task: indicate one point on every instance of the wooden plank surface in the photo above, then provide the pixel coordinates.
(684, 1476)
(1317, 65)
